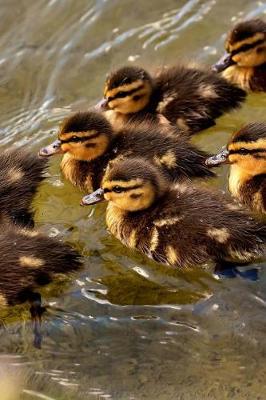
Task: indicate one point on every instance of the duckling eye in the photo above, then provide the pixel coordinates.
(75, 139)
(117, 189)
(243, 151)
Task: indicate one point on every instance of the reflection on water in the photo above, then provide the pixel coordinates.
(124, 328)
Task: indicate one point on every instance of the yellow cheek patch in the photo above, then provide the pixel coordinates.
(123, 88)
(14, 175)
(127, 100)
(232, 47)
(31, 261)
(220, 235)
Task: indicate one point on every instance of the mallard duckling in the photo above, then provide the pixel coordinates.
(187, 97)
(179, 225)
(245, 61)
(21, 174)
(89, 143)
(29, 259)
(246, 154)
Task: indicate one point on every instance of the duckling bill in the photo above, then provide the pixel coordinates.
(89, 143)
(246, 154)
(188, 97)
(245, 60)
(176, 224)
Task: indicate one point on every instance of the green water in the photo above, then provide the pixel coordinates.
(123, 328)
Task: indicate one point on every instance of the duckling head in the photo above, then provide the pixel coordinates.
(245, 46)
(85, 136)
(247, 149)
(127, 90)
(131, 185)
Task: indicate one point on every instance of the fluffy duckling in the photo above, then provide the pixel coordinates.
(179, 225)
(187, 97)
(89, 143)
(245, 61)
(246, 154)
(21, 174)
(28, 260)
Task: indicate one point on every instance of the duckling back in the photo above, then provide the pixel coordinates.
(193, 98)
(21, 174)
(28, 260)
(189, 227)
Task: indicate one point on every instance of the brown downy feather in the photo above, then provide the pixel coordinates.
(28, 260)
(21, 174)
(188, 97)
(178, 158)
(182, 225)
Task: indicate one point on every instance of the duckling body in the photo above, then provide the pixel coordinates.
(28, 260)
(246, 154)
(245, 61)
(179, 225)
(90, 144)
(21, 174)
(187, 97)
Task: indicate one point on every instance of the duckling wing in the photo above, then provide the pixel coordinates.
(193, 98)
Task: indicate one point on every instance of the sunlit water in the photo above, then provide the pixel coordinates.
(123, 328)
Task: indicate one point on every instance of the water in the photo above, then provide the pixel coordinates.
(124, 328)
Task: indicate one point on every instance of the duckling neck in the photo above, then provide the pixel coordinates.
(238, 177)
(86, 175)
(241, 76)
(115, 219)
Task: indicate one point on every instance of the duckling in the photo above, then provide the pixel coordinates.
(246, 154)
(89, 143)
(186, 96)
(176, 224)
(20, 176)
(245, 61)
(29, 259)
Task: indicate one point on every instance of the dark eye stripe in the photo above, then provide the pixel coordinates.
(79, 139)
(125, 93)
(123, 189)
(247, 151)
(247, 47)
